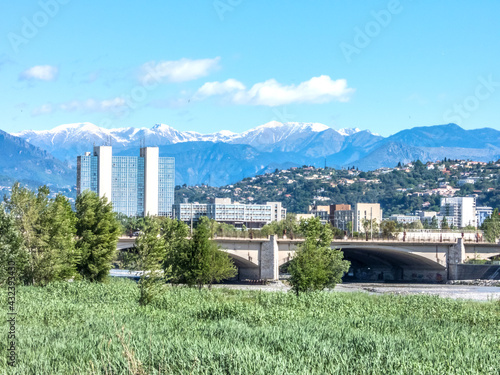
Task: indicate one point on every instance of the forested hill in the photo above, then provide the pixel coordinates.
(403, 189)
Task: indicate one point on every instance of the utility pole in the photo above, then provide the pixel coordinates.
(371, 223)
(191, 219)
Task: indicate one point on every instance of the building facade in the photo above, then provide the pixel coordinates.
(224, 211)
(365, 211)
(341, 215)
(405, 219)
(323, 212)
(462, 209)
(136, 185)
(482, 214)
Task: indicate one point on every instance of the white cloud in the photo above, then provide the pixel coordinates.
(271, 93)
(219, 88)
(115, 105)
(40, 72)
(44, 109)
(93, 105)
(177, 71)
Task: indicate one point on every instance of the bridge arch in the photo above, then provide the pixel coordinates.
(248, 268)
(379, 262)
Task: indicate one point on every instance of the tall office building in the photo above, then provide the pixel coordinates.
(136, 185)
(463, 210)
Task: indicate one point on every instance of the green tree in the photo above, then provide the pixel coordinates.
(434, 223)
(48, 230)
(221, 266)
(491, 227)
(444, 223)
(389, 228)
(148, 256)
(97, 233)
(200, 261)
(370, 226)
(61, 230)
(349, 227)
(316, 265)
(288, 226)
(27, 209)
(416, 225)
(175, 235)
(13, 255)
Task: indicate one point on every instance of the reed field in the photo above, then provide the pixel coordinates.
(84, 328)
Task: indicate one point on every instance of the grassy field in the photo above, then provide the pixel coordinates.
(82, 328)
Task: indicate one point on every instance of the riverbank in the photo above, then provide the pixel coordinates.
(472, 292)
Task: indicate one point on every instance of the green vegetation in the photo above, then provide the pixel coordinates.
(11, 249)
(50, 242)
(46, 251)
(315, 265)
(390, 229)
(97, 229)
(148, 257)
(199, 261)
(491, 227)
(94, 328)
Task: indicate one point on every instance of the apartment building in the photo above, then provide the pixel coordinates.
(482, 214)
(365, 211)
(224, 211)
(462, 209)
(323, 212)
(341, 215)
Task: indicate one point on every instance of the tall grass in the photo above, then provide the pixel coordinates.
(83, 328)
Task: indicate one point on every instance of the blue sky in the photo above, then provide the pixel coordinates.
(234, 64)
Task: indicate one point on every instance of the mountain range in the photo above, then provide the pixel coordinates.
(225, 157)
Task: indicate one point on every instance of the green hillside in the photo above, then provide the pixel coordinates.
(399, 190)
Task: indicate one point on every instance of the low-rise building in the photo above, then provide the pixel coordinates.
(464, 181)
(224, 211)
(404, 219)
(323, 212)
(482, 214)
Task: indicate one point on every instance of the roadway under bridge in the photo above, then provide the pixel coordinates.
(370, 260)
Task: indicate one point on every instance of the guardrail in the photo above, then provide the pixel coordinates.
(410, 239)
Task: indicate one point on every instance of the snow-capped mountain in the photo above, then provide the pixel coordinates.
(68, 141)
(226, 157)
(348, 131)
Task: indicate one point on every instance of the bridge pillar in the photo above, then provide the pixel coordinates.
(268, 259)
(456, 256)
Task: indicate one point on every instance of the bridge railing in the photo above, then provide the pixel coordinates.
(414, 238)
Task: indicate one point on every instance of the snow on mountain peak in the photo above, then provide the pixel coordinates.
(162, 128)
(348, 131)
(226, 133)
(317, 127)
(270, 125)
(295, 126)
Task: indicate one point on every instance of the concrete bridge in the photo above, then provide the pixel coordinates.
(370, 260)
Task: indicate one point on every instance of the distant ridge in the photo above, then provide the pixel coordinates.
(225, 157)
(20, 160)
